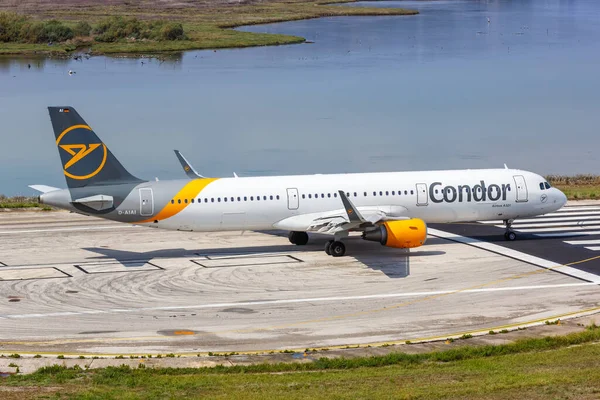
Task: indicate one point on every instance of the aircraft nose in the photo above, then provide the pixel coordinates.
(561, 198)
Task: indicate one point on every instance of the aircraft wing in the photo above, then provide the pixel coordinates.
(187, 167)
(350, 218)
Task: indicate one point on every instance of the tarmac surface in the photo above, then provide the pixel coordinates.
(76, 285)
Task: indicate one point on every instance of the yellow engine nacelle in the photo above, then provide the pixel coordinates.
(403, 234)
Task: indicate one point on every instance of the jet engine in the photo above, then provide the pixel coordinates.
(402, 234)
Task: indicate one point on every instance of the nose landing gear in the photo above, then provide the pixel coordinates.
(509, 234)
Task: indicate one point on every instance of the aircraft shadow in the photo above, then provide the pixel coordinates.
(394, 263)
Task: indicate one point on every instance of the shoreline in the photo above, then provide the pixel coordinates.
(207, 29)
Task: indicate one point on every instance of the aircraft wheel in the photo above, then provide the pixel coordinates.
(328, 247)
(337, 249)
(510, 236)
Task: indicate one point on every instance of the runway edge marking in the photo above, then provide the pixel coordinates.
(517, 255)
(455, 335)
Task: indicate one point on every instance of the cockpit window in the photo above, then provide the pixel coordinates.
(547, 185)
(541, 185)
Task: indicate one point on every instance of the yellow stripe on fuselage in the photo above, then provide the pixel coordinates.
(189, 191)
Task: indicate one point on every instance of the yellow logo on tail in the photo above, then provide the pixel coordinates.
(79, 152)
(82, 151)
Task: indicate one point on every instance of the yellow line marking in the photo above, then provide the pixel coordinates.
(539, 321)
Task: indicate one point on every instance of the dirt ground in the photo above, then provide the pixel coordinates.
(51, 6)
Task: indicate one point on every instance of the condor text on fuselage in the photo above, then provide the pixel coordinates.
(465, 193)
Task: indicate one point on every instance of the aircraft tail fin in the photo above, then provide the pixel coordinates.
(86, 160)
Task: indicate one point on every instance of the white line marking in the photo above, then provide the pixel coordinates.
(547, 218)
(582, 242)
(86, 228)
(557, 219)
(565, 234)
(292, 301)
(568, 228)
(593, 248)
(551, 224)
(517, 255)
(581, 208)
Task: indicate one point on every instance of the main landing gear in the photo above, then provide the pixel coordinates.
(298, 238)
(335, 248)
(509, 235)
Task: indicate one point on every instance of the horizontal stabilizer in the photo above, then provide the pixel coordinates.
(99, 202)
(43, 188)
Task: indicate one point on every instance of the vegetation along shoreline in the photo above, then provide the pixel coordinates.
(134, 30)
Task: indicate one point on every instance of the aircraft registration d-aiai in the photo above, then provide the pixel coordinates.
(392, 208)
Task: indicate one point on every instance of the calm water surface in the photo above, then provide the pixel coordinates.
(444, 89)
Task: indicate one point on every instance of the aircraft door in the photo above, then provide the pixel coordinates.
(521, 188)
(422, 199)
(293, 200)
(146, 202)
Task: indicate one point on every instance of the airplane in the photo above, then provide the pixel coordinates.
(392, 208)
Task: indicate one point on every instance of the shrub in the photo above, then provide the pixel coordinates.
(82, 29)
(172, 31)
(113, 29)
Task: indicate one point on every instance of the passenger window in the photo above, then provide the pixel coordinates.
(303, 196)
(365, 194)
(277, 197)
(412, 192)
(329, 195)
(205, 200)
(239, 199)
(335, 195)
(192, 201)
(355, 195)
(224, 198)
(178, 201)
(172, 201)
(381, 193)
(233, 199)
(393, 192)
(271, 197)
(310, 196)
(212, 199)
(257, 198)
(406, 192)
(387, 193)
(322, 196)
(251, 198)
(219, 200)
(374, 193)
(245, 198)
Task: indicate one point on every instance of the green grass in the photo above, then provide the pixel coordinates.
(18, 202)
(577, 187)
(554, 367)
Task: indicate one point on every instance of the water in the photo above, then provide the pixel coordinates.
(443, 89)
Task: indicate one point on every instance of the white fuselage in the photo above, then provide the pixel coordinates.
(433, 196)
